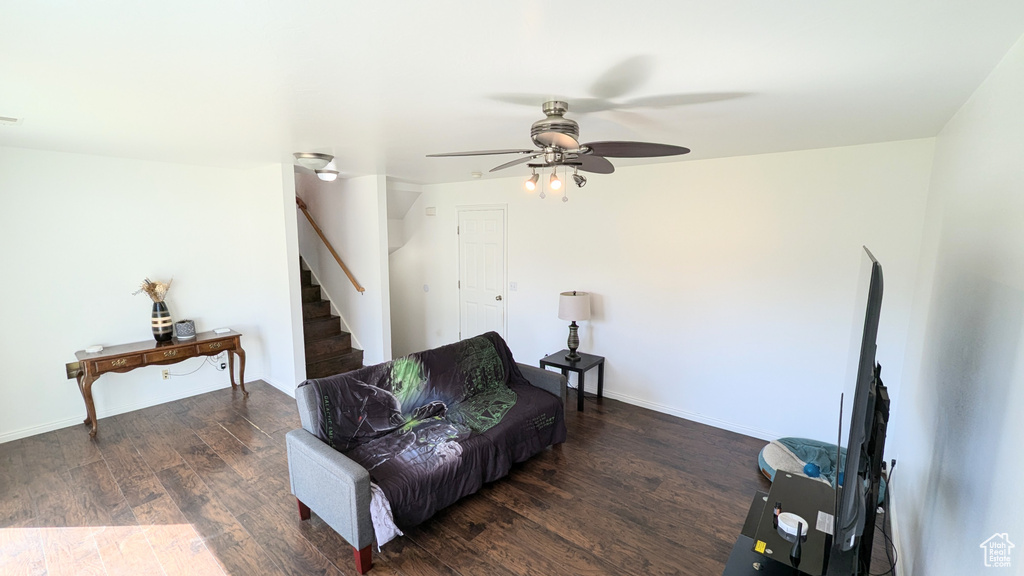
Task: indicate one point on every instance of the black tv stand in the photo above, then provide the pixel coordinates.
(761, 551)
(806, 498)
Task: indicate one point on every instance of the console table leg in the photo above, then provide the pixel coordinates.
(85, 385)
(81, 389)
(241, 369)
(600, 380)
(231, 367)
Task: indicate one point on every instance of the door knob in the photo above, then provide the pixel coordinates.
(498, 297)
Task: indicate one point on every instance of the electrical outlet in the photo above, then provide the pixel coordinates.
(166, 374)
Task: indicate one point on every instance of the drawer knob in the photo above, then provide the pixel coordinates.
(170, 353)
(119, 363)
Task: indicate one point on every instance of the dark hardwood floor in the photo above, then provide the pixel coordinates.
(200, 486)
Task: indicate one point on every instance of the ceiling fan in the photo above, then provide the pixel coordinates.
(557, 138)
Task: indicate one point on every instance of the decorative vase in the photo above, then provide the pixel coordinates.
(163, 326)
(185, 330)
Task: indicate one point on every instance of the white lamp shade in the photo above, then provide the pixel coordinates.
(574, 306)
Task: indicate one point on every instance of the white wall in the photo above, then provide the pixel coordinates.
(294, 279)
(723, 288)
(957, 437)
(78, 234)
(353, 215)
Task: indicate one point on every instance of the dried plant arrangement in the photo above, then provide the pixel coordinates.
(157, 291)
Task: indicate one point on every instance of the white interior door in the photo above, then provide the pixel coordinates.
(481, 272)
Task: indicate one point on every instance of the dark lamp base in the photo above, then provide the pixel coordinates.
(573, 343)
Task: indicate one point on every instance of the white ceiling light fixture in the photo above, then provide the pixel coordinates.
(327, 175)
(314, 160)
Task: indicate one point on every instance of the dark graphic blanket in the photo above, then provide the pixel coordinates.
(434, 426)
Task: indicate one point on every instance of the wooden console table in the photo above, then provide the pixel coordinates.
(128, 357)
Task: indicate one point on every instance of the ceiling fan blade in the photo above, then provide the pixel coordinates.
(557, 139)
(620, 149)
(577, 105)
(668, 100)
(633, 120)
(589, 105)
(531, 100)
(593, 163)
(515, 162)
(623, 77)
(481, 153)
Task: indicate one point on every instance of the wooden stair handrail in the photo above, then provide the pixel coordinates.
(320, 233)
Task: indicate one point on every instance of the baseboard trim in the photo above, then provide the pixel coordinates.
(693, 416)
(115, 410)
(287, 390)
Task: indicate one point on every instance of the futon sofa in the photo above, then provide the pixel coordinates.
(424, 430)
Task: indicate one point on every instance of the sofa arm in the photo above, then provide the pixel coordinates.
(332, 485)
(546, 380)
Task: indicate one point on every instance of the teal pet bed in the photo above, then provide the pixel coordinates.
(805, 457)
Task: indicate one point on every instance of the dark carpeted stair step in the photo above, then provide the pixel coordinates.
(351, 360)
(320, 327)
(324, 348)
(306, 276)
(310, 293)
(318, 309)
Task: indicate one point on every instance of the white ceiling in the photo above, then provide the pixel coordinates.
(380, 84)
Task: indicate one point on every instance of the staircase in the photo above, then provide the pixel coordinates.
(328, 349)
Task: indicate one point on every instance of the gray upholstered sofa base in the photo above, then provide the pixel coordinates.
(327, 482)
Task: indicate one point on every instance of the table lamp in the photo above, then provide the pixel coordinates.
(574, 306)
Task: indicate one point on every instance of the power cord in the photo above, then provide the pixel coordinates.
(219, 366)
(890, 546)
(201, 364)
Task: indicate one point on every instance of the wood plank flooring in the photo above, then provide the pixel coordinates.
(200, 486)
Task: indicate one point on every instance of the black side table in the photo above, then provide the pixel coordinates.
(580, 367)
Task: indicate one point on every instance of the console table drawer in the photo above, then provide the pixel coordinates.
(169, 355)
(215, 347)
(118, 364)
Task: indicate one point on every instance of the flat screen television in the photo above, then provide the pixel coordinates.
(857, 498)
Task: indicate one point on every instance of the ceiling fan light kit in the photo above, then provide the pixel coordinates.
(557, 138)
(555, 182)
(578, 178)
(313, 160)
(531, 182)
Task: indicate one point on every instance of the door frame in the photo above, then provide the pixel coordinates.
(459, 209)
